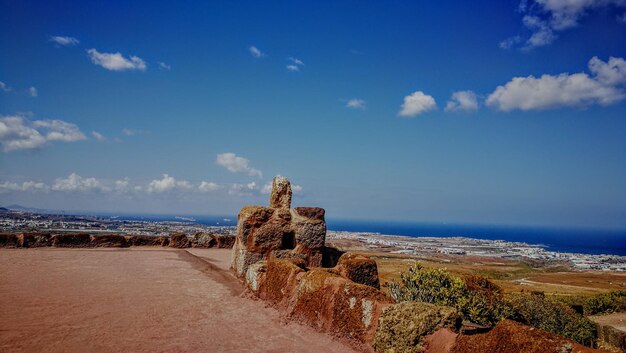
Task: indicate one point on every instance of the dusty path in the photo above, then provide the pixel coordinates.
(137, 300)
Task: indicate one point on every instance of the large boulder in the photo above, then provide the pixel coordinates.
(309, 226)
(359, 268)
(512, 337)
(203, 240)
(147, 240)
(34, 240)
(241, 259)
(402, 327)
(8, 240)
(81, 240)
(281, 193)
(225, 241)
(180, 241)
(281, 278)
(108, 241)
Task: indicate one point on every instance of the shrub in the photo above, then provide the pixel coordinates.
(476, 298)
(549, 315)
(605, 303)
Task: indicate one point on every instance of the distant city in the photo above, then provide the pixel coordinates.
(28, 221)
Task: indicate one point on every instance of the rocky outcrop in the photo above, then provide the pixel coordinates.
(203, 240)
(359, 268)
(34, 240)
(146, 240)
(180, 241)
(81, 240)
(108, 241)
(278, 231)
(279, 253)
(512, 337)
(8, 240)
(281, 193)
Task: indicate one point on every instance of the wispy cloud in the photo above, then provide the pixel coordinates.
(164, 66)
(4, 87)
(355, 103)
(19, 133)
(64, 41)
(604, 86)
(32, 91)
(98, 136)
(545, 18)
(116, 61)
(295, 64)
(27, 186)
(236, 164)
(133, 132)
(417, 103)
(462, 100)
(256, 52)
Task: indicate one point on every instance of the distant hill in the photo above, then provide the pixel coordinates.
(2, 209)
(28, 209)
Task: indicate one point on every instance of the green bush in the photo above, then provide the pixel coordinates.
(605, 303)
(480, 301)
(476, 298)
(550, 315)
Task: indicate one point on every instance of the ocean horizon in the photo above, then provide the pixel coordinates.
(560, 239)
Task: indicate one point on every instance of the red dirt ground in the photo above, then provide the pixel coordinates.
(138, 300)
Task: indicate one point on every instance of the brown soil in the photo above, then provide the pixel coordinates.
(138, 300)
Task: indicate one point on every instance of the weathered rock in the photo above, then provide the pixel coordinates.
(146, 240)
(180, 241)
(287, 254)
(402, 327)
(242, 259)
(8, 240)
(82, 240)
(271, 235)
(203, 240)
(512, 337)
(359, 268)
(34, 240)
(108, 241)
(255, 275)
(249, 219)
(313, 256)
(281, 193)
(310, 231)
(330, 256)
(281, 278)
(225, 241)
(337, 305)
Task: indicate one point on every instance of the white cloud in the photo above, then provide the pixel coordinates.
(355, 103)
(164, 66)
(33, 186)
(546, 17)
(256, 52)
(510, 42)
(4, 87)
(18, 133)
(208, 186)
(32, 91)
(75, 182)
(417, 103)
(242, 189)
(98, 136)
(296, 61)
(64, 41)
(133, 132)
(236, 164)
(116, 61)
(167, 183)
(122, 185)
(565, 90)
(462, 100)
(59, 130)
(295, 65)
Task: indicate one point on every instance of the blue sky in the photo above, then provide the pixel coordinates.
(495, 112)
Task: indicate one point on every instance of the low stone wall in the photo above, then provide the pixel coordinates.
(85, 240)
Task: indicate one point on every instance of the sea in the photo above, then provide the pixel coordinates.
(559, 239)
